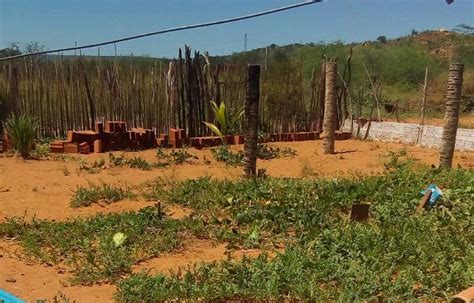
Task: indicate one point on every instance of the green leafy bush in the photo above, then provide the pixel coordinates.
(224, 154)
(22, 131)
(265, 152)
(41, 151)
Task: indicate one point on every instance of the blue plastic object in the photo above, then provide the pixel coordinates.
(9, 298)
(435, 194)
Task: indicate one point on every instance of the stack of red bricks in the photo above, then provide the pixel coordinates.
(176, 138)
(111, 135)
(200, 142)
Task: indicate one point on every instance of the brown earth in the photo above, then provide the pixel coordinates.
(44, 189)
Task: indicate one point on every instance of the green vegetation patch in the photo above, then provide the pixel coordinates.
(265, 152)
(108, 193)
(97, 249)
(399, 254)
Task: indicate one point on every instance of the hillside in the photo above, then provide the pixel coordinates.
(398, 64)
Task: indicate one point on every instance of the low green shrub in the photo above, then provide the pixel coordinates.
(179, 156)
(85, 196)
(224, 154)
(41, 151)
(22, 131)
(265, 152)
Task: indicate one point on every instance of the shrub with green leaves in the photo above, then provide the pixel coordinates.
(178, 156)
(265, 152)
(22, 131)
(41, 151)
(224, 154)
(109, 193)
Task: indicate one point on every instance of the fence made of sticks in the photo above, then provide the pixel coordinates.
(72, 93)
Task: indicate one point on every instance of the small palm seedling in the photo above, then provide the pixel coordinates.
(22, 131)
(227, 122)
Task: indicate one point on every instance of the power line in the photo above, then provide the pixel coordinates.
(169, 30)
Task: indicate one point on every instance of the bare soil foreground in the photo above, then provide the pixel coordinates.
(43, 189)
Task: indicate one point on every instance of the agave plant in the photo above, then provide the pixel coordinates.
(227, 122)
(22, 131)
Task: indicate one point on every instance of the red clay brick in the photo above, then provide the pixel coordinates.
(176, 143)
(99, 127)
(84, 148)
(174, 134)
(71, 148)
(238, 139)
(275, 137)
(56, 149)
(98, 146)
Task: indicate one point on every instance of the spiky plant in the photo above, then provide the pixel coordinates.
(22, 131)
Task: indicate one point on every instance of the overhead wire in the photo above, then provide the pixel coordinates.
(168, 30)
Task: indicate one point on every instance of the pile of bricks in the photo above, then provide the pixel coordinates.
(114, 135)
(299, 136)
(111, 135)
(200, 142)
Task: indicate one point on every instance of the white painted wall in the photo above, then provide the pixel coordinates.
(409, 132)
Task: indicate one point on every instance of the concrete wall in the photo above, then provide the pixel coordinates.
(409, 132)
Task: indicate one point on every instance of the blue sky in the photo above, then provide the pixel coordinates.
(59, 23)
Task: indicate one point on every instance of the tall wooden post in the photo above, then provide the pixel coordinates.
(423, 103)
(251, 120)
(330, 114)
(451, 115)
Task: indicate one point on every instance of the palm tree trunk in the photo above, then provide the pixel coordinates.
(451, 116)
(251, 120)
(330, 114)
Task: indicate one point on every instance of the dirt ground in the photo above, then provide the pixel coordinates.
(44, 189)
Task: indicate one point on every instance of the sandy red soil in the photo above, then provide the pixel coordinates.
(44, 189)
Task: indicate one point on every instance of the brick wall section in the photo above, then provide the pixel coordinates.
(408, 133)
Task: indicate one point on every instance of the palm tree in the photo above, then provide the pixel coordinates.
(329, 124)
(451, 115)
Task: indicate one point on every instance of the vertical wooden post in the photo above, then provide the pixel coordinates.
(329, 125)
(251, 120)
(14, 90)
(451, 115)
(423, 103)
